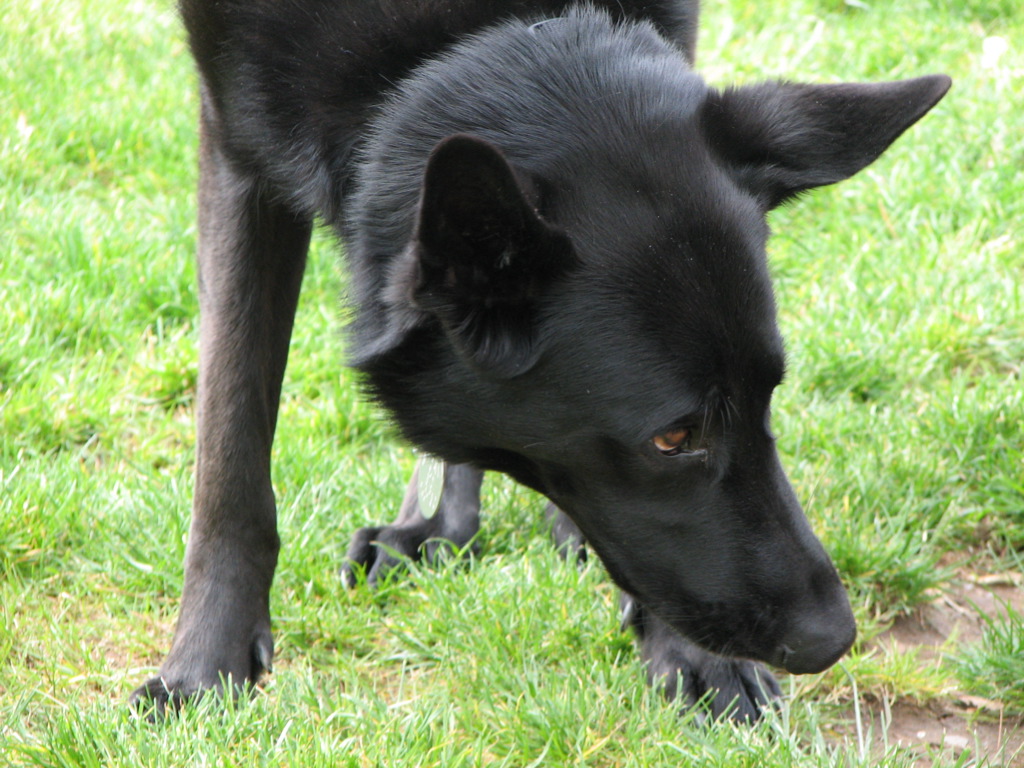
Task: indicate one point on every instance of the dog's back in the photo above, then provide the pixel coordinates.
(290, 87)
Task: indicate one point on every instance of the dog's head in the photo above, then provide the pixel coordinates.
(600, 324)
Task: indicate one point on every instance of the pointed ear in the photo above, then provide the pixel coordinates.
(484, 256)
(782, 138)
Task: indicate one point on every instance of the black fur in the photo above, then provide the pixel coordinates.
(556, 232)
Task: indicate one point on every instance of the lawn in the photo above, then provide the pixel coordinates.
(900, 422)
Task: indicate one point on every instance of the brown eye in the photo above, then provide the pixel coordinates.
(673, 443)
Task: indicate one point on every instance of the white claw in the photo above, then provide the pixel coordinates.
(265, 655)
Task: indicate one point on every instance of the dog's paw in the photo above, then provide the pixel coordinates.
(376, 551)
(155, 697)
(723, 687)
(184, 677)
(736, 688)
(449, 525)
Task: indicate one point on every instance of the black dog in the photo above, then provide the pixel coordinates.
(556, 234)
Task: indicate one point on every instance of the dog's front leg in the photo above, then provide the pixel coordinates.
(251, 258)
(417, 532)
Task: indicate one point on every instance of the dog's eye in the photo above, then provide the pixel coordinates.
(673, 443)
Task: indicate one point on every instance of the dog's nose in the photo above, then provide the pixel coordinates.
(817, 642)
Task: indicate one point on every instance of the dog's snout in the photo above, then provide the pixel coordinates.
(818, 640)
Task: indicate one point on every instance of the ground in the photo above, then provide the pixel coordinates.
(946, 726)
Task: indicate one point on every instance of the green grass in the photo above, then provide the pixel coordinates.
(995, 666)
(900, 421)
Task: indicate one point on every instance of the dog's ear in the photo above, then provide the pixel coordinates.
(484, 256)
(782, 138)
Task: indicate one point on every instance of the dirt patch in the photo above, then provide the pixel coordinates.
(955, 614)
(941, 731)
